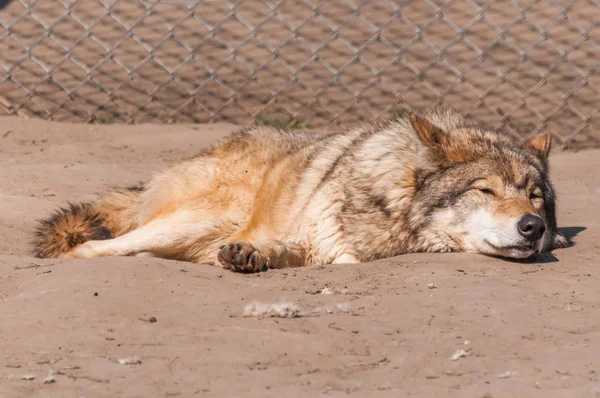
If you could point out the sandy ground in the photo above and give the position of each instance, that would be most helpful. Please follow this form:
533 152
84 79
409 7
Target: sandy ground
529 329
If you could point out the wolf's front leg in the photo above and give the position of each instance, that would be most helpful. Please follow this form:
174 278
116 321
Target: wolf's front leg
243 256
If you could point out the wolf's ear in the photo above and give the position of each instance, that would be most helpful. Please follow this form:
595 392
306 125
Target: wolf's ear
431 136
539 145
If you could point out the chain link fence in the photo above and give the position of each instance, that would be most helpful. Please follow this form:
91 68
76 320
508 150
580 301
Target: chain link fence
523 66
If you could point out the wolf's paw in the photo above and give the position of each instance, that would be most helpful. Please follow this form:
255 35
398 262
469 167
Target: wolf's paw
559 241
242 257
85 250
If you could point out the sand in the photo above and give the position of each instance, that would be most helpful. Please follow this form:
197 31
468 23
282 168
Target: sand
140 327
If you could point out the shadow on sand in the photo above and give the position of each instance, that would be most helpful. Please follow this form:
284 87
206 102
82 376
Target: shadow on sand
4 3
548 257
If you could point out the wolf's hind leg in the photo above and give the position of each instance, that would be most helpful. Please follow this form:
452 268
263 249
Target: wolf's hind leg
179 235
243 256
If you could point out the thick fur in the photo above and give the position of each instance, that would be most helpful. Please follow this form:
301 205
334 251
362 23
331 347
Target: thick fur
266 198
78 223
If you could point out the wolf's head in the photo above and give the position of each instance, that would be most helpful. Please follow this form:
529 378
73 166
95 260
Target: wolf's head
480 191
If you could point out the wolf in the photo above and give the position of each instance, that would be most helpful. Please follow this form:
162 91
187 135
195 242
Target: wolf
433 181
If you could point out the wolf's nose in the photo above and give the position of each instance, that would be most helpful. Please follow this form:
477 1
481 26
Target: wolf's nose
532 227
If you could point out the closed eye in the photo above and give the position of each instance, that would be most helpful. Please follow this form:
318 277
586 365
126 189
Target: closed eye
487 191
481 185
535 195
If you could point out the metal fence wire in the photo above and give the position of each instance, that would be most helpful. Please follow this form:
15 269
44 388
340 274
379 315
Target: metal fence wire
524 66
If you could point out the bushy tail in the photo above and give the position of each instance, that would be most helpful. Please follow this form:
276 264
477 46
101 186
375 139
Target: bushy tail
75 224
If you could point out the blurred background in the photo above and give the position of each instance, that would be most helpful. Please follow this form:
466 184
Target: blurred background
522 66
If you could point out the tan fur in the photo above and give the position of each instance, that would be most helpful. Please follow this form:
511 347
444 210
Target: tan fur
514 207
540 144
117 209
266 198
112 215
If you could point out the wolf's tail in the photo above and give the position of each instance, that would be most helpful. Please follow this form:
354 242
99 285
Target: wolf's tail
74 224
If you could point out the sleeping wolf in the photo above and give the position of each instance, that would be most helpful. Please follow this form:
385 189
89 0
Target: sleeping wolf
265 198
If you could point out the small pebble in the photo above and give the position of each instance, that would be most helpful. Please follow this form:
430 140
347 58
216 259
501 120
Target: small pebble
458 354
130 361
507 374
49 380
